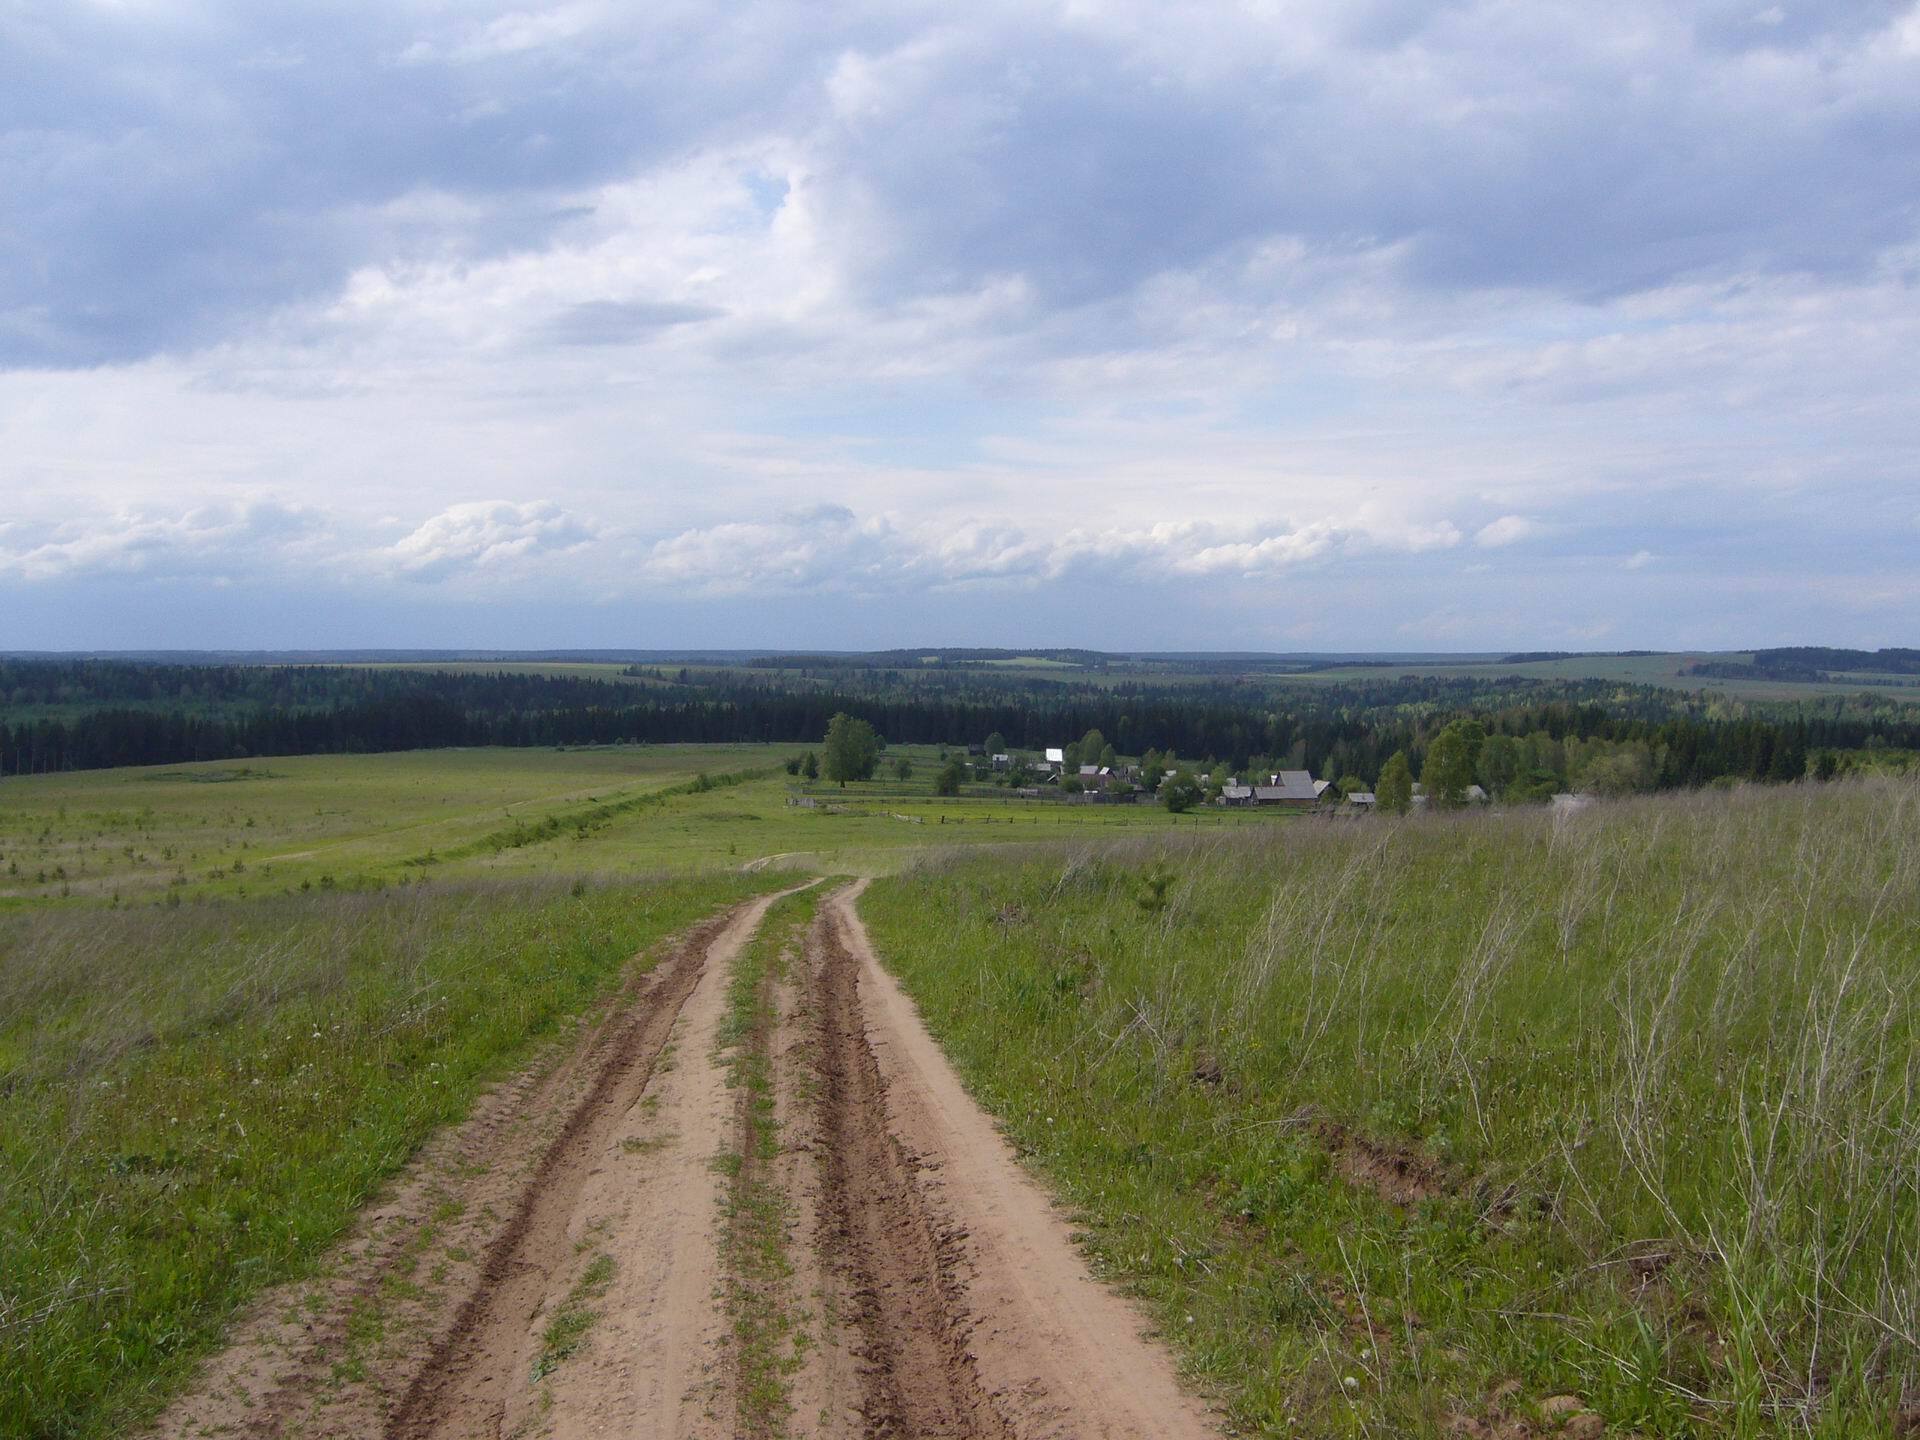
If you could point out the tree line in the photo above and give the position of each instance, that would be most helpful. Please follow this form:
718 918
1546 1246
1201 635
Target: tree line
120 713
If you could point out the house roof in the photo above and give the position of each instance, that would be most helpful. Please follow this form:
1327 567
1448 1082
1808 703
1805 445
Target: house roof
1288 785
1236 792
1363 797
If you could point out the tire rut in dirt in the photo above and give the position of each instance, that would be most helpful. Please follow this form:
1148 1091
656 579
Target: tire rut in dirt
917 1375
461 1387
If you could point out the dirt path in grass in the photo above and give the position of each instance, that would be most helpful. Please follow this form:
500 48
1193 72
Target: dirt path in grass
557 1265
545 1268
974 1314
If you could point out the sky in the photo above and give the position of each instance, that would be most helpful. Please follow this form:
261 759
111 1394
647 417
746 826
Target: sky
1283 325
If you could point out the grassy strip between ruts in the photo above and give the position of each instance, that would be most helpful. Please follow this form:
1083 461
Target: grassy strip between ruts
197 1100
1478 1126
769 1338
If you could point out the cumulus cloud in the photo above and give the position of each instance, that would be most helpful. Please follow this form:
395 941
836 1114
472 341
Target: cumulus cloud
1507 530
169 176
486 535
1049 297
215 543
830 548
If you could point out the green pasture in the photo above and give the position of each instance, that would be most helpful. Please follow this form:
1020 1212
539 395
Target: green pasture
266 827
199 1099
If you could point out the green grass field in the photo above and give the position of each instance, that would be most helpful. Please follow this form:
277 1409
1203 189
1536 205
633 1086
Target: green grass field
234 997
265 827
198 1099
1405 1129
1383 1119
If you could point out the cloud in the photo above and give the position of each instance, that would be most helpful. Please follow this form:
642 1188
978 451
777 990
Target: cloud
619 322
486 535
1507 530
1639 560
215 544
1060 305
830 548
171 178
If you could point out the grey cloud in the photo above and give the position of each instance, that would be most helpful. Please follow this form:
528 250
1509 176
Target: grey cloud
617 322
164 183
1558 150
171 175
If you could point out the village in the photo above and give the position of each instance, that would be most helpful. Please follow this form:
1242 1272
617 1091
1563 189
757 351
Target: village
1118 782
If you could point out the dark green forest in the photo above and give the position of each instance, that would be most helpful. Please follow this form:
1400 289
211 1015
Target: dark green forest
89 714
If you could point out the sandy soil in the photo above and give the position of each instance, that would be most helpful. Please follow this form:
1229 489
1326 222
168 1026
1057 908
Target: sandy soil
554 1266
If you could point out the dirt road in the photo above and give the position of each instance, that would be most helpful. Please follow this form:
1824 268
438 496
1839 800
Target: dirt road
621 1242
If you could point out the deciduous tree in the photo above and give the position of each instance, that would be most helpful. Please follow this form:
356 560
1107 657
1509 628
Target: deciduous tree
852 749
1394 793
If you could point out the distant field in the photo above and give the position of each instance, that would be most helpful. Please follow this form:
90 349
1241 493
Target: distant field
268 826
559 670
1664 670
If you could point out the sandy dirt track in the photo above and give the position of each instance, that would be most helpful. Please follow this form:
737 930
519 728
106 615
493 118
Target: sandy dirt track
557 1265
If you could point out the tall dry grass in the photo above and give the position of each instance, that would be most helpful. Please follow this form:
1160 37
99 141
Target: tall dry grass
1662 1054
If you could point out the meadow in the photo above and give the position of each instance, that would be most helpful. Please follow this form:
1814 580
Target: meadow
1398 1127
1451 1125
199 1098
234 998
236 830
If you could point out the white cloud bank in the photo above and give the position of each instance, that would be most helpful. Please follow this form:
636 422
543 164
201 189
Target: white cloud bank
1043 299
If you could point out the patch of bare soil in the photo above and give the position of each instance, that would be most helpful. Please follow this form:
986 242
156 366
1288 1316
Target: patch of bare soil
899 1261
1398 1175
628 1193
825 1393
978 1315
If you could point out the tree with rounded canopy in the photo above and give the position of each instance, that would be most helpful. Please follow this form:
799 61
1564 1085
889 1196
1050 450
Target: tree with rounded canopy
852 749
1394 793
1449 770
810 766
1087 752
1350 785
1499 764
947 782
996 744
1180 793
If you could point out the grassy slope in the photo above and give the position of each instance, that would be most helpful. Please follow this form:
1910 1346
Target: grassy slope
1644 1085
234 1003
198 1099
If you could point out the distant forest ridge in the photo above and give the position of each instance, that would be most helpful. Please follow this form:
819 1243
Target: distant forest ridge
95 714
1790 662
1818 664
